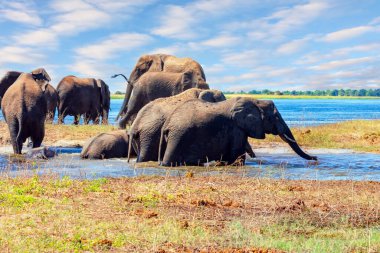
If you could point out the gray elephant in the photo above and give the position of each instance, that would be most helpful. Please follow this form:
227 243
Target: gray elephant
219 131
153 85
24 108
107 145
158 63
83 96
8 79
145 131
51 96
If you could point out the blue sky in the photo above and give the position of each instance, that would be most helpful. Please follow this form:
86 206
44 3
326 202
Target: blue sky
242 44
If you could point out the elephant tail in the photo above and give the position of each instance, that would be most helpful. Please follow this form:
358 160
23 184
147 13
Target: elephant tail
162 146
19 137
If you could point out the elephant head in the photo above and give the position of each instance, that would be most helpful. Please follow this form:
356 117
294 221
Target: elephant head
275 124
149 62
105 99
41 77
248 117
212 96
189 81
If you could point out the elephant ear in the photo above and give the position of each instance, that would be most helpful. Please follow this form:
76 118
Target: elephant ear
248 117
187 80
104 93
156 63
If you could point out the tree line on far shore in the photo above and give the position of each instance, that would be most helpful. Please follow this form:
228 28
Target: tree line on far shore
334 92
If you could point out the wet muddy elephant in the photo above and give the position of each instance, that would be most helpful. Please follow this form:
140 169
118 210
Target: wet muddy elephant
107 145
51 96
24 108
146 129
153 85
198 132
164 63
83 96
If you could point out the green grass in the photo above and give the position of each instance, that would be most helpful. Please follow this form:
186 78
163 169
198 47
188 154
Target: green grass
117 96
47 214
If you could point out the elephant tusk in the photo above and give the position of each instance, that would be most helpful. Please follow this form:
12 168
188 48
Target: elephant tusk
289 139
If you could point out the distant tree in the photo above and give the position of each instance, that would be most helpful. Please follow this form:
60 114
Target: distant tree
362 93
119 92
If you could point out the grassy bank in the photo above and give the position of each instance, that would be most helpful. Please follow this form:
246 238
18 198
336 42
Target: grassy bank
261 96
173 214
359 135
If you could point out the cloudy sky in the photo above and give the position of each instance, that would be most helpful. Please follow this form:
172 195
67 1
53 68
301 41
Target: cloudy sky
242 44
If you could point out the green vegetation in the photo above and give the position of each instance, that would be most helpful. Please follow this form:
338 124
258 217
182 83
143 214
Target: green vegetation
186 214
330 93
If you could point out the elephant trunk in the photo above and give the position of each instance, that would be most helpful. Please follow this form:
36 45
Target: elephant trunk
105 117
124 107
288 137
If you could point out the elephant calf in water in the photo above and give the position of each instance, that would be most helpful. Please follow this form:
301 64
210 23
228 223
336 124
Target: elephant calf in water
107 145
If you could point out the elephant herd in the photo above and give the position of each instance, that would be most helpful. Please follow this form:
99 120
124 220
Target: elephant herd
174 116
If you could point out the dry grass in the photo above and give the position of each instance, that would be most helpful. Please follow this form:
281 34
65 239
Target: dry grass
188 214
359 135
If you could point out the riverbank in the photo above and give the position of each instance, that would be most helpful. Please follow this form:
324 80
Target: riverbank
263 96
188 214
358 135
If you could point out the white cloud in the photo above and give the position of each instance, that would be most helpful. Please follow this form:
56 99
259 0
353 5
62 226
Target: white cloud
347 33
185 22
243 59
275 26
294 45
113 45
375 21
221 41
20 12
19 55
342 63
173 50
41 37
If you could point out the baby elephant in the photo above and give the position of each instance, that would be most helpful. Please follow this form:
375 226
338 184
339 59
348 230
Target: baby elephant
107 145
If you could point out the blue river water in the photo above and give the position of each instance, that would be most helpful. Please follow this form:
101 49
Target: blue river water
332 164
301 112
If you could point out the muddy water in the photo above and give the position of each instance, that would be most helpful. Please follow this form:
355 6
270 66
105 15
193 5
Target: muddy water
279 163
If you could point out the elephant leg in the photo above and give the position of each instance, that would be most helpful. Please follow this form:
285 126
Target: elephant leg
249 151
16 142
38 135
77 118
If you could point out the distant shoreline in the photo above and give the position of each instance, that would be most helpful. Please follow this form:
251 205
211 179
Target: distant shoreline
260 96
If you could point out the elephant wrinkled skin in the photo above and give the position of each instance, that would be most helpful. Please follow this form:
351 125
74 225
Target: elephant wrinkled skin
146 129
51 96
24 109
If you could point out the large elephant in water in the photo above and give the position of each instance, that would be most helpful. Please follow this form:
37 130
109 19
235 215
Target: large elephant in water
146 128
83 96
158 63
24 108
197 131
155 85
